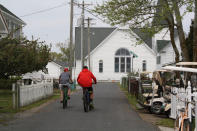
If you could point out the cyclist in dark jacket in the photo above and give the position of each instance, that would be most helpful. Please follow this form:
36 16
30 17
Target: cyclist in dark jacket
85 80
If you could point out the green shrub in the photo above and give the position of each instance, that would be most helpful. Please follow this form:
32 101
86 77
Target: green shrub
7 83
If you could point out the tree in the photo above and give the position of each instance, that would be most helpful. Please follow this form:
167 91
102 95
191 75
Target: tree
65 51
151 16
18 57
195 34
189 41
55 56
64 54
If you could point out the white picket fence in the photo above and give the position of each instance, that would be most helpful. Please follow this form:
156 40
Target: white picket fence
179 98
31 93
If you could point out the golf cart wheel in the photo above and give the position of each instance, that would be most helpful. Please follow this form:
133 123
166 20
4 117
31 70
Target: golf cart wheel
156 108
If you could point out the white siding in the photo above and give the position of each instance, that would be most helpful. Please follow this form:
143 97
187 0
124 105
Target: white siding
54 70
106 52
77 69
162 35
167 54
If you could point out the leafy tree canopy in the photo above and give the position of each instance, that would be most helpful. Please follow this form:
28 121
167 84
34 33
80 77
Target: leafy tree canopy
141 13
150 16
64 54
18 57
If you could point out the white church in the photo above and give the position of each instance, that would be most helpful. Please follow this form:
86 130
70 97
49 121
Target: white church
114 53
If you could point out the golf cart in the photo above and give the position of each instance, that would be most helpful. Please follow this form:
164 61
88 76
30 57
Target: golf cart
145 89
162 80
184 74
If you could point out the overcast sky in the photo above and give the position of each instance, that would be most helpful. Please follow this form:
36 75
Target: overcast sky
53 26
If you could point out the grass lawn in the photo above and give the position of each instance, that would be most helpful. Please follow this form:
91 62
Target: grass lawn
6 110
6 101
167 122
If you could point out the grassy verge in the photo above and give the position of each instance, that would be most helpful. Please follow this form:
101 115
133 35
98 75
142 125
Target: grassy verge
6 101
6 110
131 98
167 122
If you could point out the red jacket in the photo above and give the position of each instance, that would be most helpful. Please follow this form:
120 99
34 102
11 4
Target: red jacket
85 78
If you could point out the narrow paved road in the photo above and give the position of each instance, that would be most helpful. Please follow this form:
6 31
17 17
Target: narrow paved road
112 113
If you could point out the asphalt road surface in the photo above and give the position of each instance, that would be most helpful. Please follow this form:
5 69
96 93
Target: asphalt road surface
112 113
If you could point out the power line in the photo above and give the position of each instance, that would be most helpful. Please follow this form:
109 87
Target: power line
90 12
45 10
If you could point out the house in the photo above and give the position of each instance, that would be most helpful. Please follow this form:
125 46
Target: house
166 54
34 77
114 52
55 68
10 23
53 71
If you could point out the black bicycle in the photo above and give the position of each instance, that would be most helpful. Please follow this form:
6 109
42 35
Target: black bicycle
65 96
86 100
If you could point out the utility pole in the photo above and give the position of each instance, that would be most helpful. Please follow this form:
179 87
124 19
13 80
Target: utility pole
195 34
89 22
82 28
71 38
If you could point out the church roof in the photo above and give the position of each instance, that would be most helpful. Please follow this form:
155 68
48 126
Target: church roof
144 36
97 35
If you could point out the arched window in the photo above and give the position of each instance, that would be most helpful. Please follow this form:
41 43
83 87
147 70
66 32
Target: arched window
143 65
122 61
100 66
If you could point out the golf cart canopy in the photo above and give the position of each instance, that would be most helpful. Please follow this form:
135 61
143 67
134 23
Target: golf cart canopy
145 72
186 63
184 69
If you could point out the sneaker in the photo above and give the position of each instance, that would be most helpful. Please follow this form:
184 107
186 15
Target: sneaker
68 97
91 106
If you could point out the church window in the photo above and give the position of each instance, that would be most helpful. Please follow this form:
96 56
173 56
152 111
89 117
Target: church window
101 66
122 61
144 65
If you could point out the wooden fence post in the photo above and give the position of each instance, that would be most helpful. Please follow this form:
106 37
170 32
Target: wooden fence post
18 95
128 83
195 113
14 95
189 95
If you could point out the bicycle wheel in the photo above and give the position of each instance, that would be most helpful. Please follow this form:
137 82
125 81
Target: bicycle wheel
85 102
186 125
176 124
65 101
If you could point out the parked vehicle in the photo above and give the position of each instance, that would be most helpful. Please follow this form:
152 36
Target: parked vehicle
145 89
183 100
160 103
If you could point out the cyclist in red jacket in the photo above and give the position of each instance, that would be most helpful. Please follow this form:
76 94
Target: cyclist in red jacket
85 80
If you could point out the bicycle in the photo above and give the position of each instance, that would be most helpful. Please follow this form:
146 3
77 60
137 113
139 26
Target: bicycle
65 96
182 122
86 100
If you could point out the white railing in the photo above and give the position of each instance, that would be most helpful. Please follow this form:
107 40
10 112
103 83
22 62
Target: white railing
31 93
179 98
